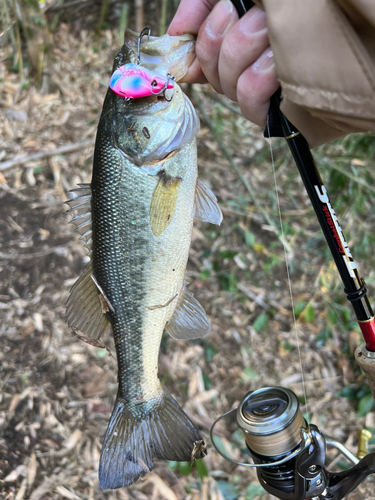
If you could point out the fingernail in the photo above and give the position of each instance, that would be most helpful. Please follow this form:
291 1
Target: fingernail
220 18
253 22
264 63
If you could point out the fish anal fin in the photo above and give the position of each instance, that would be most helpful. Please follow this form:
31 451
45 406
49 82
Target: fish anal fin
206 207
189 320
84 308
163 203
136 435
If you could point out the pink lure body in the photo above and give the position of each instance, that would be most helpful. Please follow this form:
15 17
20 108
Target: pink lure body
134 81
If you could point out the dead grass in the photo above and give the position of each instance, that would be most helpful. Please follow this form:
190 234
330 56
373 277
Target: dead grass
56 392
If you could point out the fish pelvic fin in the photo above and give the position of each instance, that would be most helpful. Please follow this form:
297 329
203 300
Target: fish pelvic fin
189 320
138 434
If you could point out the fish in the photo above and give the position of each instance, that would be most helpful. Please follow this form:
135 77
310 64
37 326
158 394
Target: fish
136 218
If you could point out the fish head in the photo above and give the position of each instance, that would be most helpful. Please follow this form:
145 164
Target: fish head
161 55
149 128
135 81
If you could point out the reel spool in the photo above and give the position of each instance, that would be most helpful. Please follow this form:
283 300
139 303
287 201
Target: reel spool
288 453
271 421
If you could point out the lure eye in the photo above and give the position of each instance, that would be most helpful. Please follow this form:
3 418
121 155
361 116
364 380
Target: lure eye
154 83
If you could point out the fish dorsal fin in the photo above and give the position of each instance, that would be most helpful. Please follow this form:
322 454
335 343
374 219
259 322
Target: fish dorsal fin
84 310
80 208
189 321
206 207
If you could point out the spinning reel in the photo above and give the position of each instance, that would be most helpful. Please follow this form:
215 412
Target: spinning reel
289 454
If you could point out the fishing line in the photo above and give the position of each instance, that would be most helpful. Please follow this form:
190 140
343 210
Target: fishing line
287 272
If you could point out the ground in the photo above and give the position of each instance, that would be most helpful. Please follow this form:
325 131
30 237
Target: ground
57 392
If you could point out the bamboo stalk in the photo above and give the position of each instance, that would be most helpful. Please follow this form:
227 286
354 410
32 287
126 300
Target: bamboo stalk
123 22
103 14
163 17
18 39
7 23
139 15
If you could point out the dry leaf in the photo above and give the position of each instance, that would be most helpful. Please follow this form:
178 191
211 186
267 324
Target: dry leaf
31 469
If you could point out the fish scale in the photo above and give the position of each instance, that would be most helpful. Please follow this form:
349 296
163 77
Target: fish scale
144 197
120 249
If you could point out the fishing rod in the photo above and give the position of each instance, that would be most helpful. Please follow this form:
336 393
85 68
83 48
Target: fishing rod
288 453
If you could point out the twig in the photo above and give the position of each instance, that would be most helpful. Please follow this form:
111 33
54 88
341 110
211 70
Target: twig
238 171
68 148
28 256
350 176
215 97
253 296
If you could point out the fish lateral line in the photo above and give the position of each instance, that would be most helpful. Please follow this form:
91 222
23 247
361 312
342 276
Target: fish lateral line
102 295
152 308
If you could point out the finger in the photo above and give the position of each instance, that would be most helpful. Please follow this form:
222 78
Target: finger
188 19
255 87
241 47
210 39
190 16
194 73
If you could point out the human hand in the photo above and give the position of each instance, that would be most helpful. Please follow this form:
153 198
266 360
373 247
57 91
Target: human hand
232 54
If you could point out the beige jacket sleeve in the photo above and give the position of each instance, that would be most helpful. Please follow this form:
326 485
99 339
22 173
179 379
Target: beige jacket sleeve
324 53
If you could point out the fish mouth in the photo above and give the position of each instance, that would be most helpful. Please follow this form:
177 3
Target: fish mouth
165 54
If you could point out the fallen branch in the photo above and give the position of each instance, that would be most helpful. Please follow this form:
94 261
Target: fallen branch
68 148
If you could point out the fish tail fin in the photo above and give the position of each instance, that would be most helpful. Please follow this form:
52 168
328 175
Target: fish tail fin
138 434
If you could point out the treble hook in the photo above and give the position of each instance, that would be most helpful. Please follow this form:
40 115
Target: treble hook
144 32
170 78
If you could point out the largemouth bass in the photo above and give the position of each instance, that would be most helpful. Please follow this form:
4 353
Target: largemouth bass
136 218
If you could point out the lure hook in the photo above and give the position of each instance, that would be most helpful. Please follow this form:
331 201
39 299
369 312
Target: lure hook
144 32
170 78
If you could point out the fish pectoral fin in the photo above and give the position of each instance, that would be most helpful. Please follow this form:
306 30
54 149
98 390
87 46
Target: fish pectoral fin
84 308
189 320
163 204
206 207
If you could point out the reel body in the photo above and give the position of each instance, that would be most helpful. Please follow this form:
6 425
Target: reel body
289 454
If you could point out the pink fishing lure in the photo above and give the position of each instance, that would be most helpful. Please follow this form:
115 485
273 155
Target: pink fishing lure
134 81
